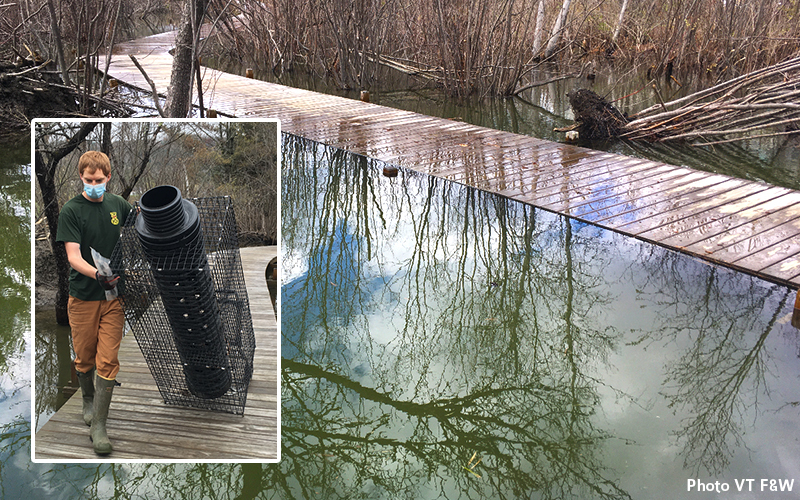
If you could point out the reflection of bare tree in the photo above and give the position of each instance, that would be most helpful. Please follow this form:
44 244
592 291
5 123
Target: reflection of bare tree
14 232
727 319
465 358
53 374
478 364
15 438
165 481
711 378
523 435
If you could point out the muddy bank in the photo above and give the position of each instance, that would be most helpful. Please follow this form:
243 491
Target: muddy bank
27 92
46 282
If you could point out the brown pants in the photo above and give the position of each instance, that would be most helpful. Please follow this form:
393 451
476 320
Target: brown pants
96 335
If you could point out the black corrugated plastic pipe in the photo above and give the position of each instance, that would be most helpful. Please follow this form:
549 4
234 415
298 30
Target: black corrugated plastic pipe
171 237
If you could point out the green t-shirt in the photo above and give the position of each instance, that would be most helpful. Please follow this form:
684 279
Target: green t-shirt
92 225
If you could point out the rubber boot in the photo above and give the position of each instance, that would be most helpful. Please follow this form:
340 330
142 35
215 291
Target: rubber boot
102 399
86 381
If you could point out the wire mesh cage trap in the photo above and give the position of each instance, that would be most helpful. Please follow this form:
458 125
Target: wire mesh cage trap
184 296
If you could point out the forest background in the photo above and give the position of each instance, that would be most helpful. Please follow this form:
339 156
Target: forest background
467 47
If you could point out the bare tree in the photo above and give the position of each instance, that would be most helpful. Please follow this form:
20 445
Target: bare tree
147 141
538 32
619 21
62 62
179 95
558 29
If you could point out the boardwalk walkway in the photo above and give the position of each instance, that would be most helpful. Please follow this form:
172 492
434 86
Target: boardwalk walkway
746 225
142 427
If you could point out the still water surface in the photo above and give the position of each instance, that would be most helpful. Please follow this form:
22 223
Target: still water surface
15 275
439 342
429 327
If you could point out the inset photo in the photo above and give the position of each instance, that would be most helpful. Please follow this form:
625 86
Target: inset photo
156 300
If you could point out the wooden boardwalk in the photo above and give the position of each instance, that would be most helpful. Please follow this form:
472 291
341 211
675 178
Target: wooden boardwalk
749 226
142 427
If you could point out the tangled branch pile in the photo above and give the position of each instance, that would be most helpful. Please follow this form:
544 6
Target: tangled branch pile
763 103
595 117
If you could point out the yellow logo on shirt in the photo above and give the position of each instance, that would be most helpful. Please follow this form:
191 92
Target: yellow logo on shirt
114 219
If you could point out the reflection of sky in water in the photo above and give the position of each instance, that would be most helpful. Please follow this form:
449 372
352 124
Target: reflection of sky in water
12 387
17 277
18 475
420 292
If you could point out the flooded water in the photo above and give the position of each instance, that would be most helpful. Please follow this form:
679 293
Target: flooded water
439 342
15 275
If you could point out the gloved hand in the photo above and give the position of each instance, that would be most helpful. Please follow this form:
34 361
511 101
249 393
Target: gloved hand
106 281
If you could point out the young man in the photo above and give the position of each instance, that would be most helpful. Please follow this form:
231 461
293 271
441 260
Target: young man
93 219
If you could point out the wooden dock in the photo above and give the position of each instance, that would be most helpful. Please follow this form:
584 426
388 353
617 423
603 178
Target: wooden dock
142 427
749 226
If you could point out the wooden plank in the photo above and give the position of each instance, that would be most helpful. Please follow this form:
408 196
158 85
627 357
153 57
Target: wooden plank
672 205
536 176
697 224
609 201
415 135
732 230
652 201
767 247
542 157
790 268
700 210
562 194
755 211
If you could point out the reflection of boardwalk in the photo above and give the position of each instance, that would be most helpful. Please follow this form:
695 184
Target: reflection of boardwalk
141 426
745 225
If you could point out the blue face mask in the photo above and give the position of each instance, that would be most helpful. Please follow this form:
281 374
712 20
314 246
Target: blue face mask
94 192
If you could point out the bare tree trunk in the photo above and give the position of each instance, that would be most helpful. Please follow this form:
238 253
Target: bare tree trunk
538 32
619 21
106 143
179 95
62 62
110 48
558 28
